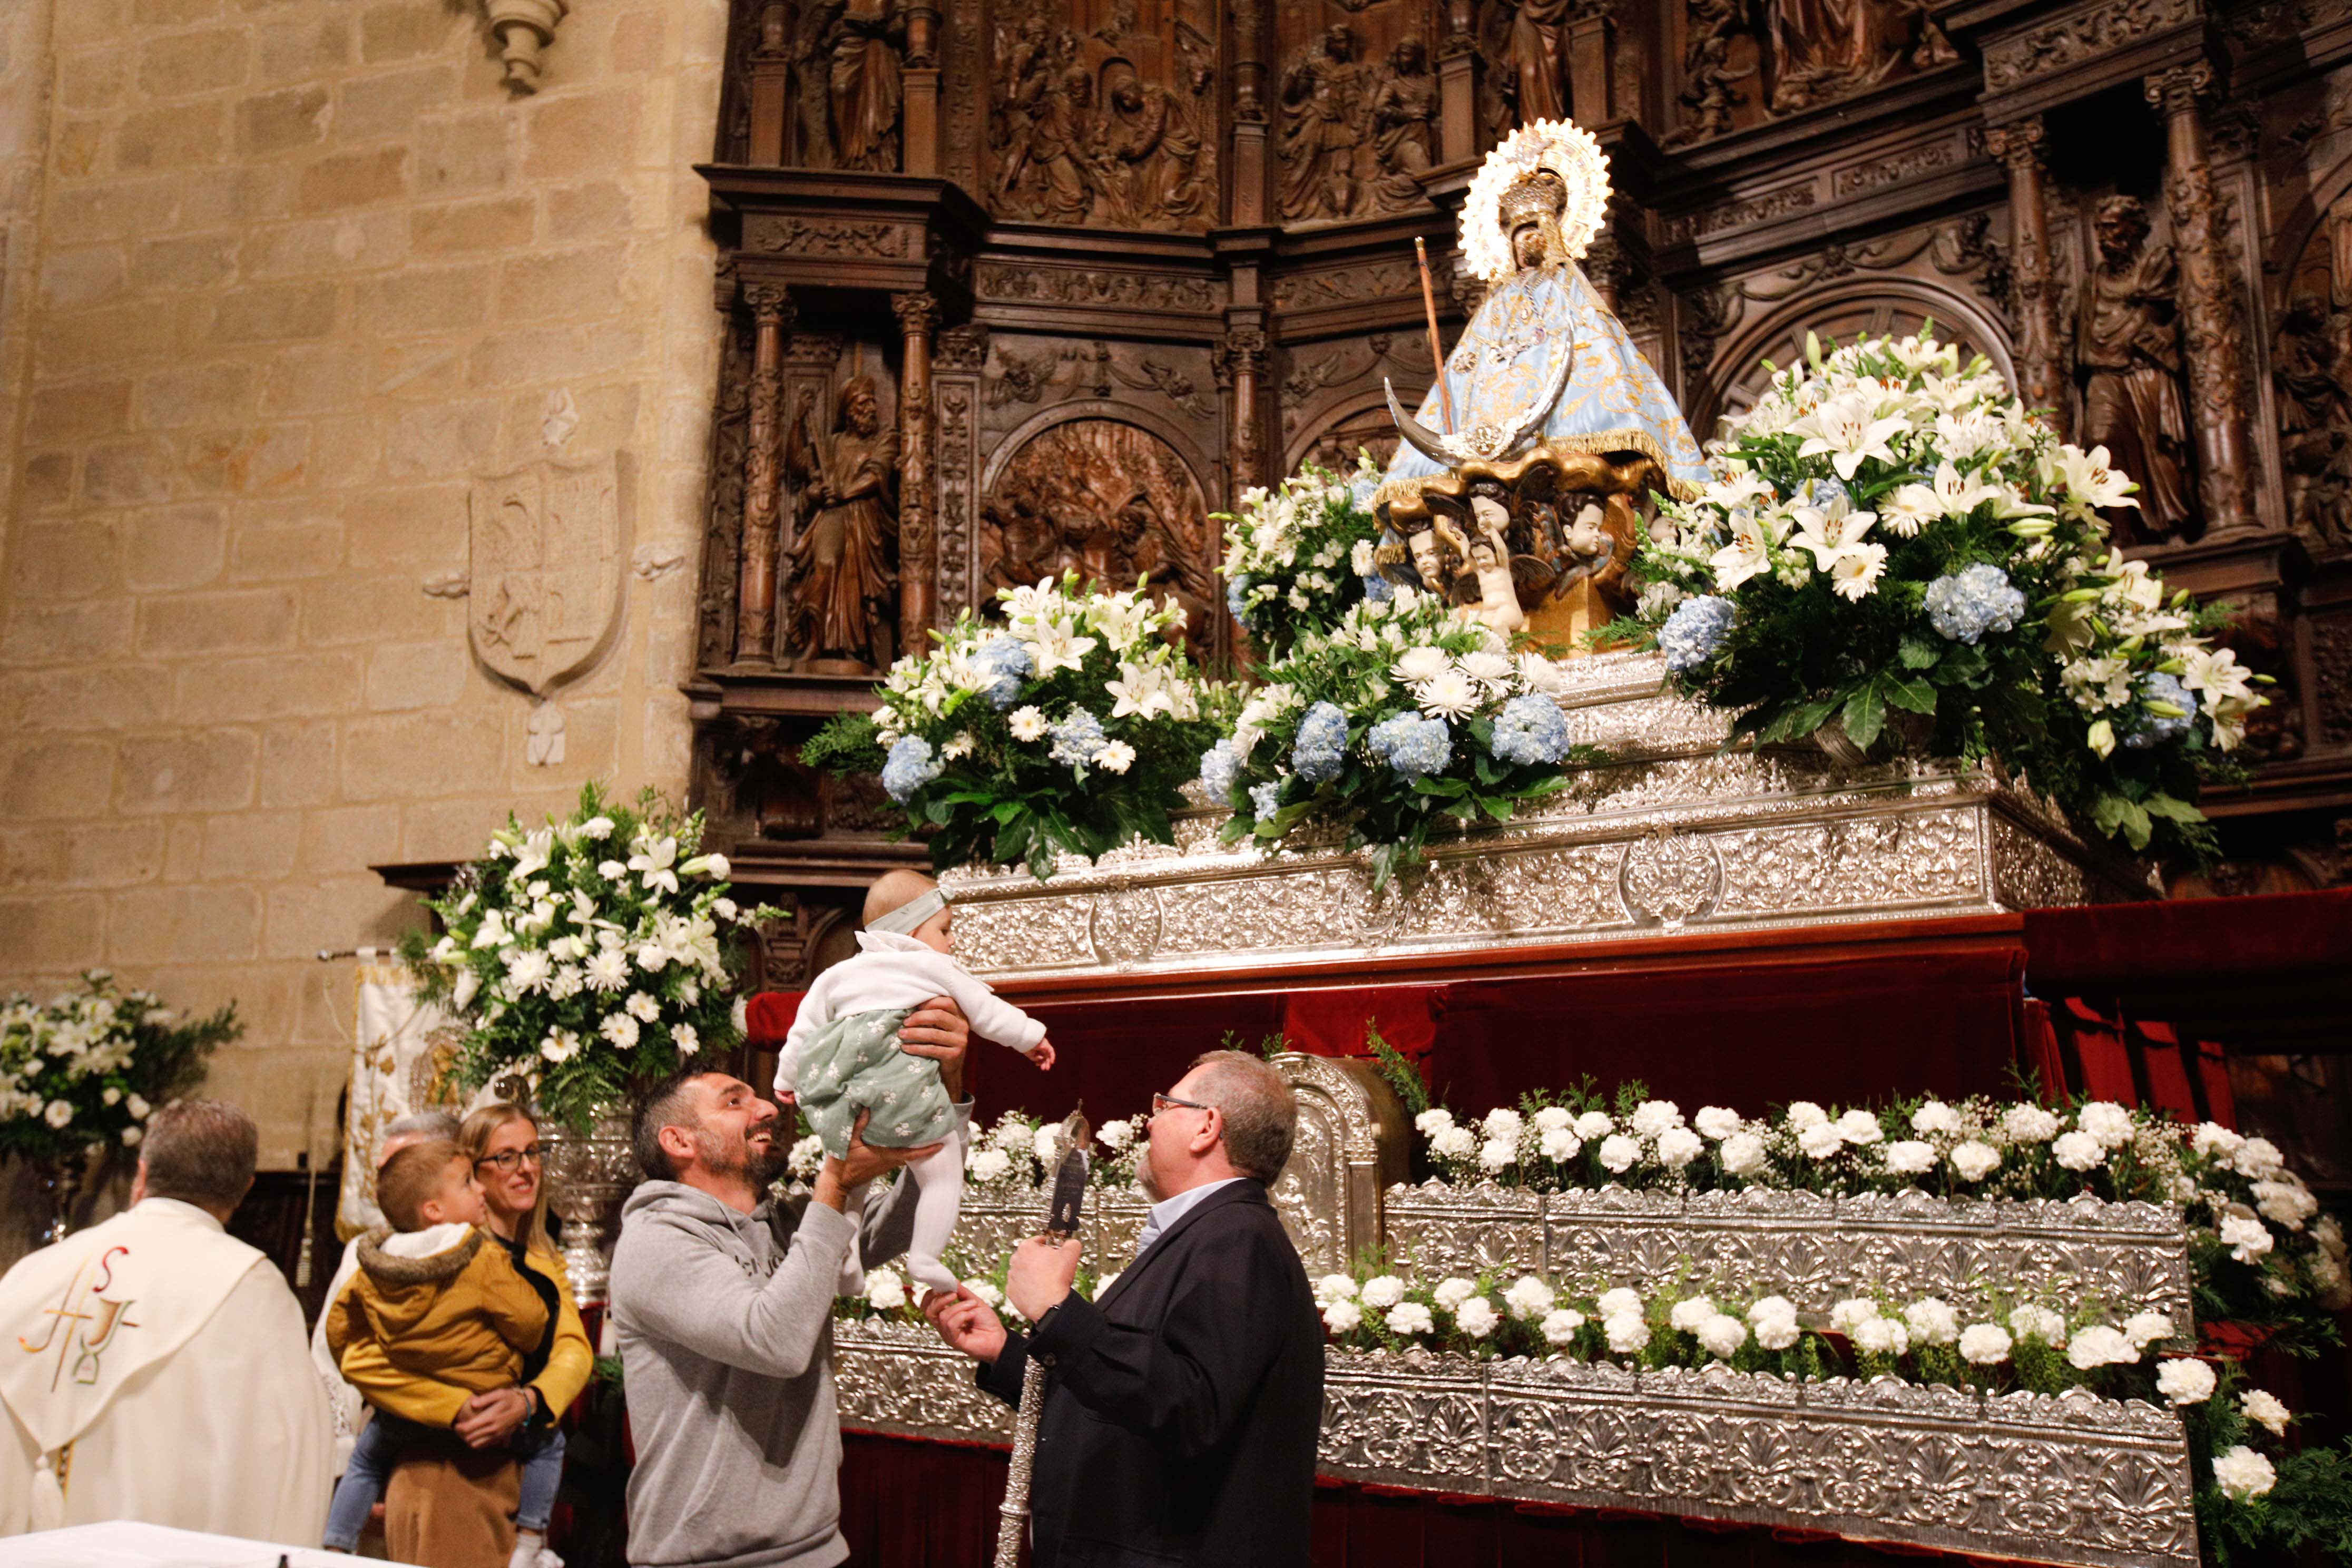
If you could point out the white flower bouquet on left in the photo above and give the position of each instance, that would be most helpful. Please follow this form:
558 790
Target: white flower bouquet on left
86 1069
587 956
1069 727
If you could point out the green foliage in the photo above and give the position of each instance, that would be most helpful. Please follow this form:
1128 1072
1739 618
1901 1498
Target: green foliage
1861 488
86 1070
972 750
1291 555
588 956
1402 1074
845 746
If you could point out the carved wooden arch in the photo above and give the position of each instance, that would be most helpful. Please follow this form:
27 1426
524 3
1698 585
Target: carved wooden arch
2302 224
1328 412
1882 304
1148 420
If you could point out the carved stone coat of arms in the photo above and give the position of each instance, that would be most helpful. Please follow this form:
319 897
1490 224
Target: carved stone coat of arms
548 545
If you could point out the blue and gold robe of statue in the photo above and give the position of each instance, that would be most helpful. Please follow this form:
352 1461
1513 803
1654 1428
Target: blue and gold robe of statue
1612 402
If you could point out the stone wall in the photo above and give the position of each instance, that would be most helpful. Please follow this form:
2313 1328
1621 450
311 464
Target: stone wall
282 276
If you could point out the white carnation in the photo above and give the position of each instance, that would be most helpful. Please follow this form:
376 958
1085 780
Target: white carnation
1593 1125
886 1289
2185 1380
1432 1122
1974 1160
2144 1329
1558 1145
2265 1409
1933 1117
1805 1113
1881 1336
1621 1302
1552 1118
1342 1317
1410 1317
1722 1334
988 1164
1618 1153
1678 1146
1334 1287
2031 1322
1743 1154
1529 1298
1855 1310
2258 1159
1909 1157
1717 1123
1477 1317
1501 1122
1454 1143
1687 1314
1653 1117
2242 1474
2078 1152
1820 1140
1498 1154
2106 1121
1625 1332
2100 1345
2029 1124
1382 1292
1453 1290
1559 1326
1932 1320
1860 1128
1775 1320
2247 1239
1984 1344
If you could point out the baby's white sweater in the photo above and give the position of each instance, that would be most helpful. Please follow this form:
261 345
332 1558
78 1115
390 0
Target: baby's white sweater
891 970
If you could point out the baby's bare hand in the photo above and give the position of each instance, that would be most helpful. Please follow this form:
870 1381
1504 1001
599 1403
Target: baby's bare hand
1043 1057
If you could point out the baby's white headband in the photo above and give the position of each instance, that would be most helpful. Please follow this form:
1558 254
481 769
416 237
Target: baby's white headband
906 918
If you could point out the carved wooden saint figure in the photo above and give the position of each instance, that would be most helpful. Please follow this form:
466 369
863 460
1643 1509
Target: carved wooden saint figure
1403 116
2127 358
841 598
1828 49
850 91
2310 364
1322 99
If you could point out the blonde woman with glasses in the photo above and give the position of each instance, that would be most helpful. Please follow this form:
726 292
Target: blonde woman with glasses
502 1139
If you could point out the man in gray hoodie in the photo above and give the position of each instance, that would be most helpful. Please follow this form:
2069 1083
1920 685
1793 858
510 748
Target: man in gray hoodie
722 1302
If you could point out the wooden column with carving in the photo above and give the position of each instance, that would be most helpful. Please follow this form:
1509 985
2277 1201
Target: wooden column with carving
920 154
1253 140
772 81
755 615
1458 65
2213 336
918 555
1243 368
1590 44
2033 290
956 395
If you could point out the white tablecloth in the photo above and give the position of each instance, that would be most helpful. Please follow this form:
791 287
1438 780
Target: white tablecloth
126 1543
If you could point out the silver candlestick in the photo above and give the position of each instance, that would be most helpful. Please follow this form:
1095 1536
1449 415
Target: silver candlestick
1062 1218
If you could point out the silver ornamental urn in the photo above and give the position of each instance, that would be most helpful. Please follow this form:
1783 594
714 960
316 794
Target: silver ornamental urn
588 1178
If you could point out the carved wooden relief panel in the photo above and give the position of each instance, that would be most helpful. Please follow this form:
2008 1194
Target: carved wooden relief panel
1104 111
1356 99
1743 63
1108 500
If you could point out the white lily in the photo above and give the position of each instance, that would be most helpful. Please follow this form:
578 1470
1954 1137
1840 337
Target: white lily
1830 533
655 862
1055 644
1749 553
2090 480
1848 430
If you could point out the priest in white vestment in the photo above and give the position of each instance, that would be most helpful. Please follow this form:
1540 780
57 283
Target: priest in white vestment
154 1368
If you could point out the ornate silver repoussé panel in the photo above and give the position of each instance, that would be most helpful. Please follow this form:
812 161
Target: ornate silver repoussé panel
1811 1247
2070 1479
1670 834
2066 1479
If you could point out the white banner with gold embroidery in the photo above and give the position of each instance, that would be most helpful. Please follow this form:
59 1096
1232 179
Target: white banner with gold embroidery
399 1050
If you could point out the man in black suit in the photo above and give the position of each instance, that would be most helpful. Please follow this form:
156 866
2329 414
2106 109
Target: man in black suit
1183 1407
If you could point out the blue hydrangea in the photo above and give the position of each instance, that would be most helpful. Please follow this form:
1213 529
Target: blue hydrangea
2153 729
1412 745
1076 739
1237 597
1218 767
910 766
1378 589
1694 631
1261 797
1006 663
1530 729
1362 488
1320 751
1977 600
1824 493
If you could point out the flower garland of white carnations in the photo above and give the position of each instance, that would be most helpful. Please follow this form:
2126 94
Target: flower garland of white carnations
1069 727
2263 1252
1014 1160
88 1068
1889 532
589 955
1404 716
1298 556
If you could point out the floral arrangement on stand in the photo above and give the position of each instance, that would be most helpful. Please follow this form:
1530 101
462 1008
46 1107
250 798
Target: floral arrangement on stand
1892 541
2260 1252
1070 728
1298 556
1405 715
588 955
85 1070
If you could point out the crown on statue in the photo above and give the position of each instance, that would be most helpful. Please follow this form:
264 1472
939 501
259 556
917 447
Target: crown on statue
1552 169
1532 198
